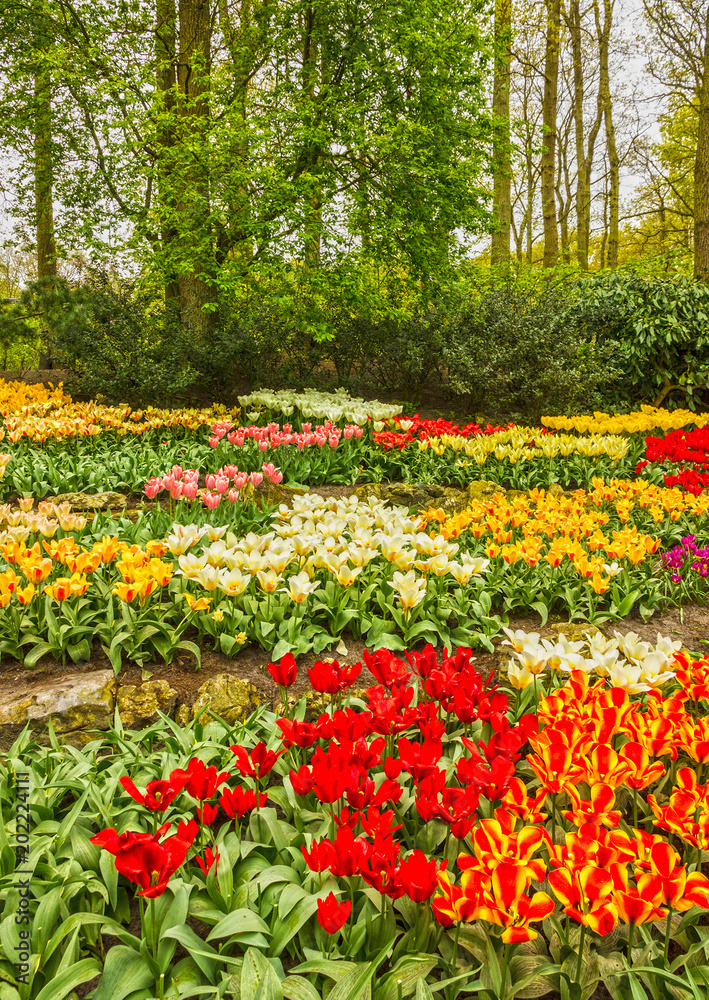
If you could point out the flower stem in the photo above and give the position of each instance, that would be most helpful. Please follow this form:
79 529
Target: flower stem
579 963
667 936
505 963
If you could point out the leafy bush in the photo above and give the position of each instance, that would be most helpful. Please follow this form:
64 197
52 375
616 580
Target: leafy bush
657 327
517 351
119 342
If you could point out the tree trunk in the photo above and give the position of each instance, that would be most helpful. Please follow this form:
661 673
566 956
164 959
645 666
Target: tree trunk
584 148
502 182
312 235
604 34
43 184
701 172
548 164
165 37
193 82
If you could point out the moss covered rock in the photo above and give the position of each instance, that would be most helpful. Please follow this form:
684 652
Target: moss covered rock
228 697
92 501
75 704
138 706
420 496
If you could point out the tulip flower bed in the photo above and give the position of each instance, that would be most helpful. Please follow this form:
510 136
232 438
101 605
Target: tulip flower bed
297 578
432 836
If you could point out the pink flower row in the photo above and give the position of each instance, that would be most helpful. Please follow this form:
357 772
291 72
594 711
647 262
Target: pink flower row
271 436
183 484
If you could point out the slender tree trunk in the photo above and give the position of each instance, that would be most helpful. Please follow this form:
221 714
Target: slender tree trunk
193 83
701 172
165 39
604 33
312 239
551 75
502 182
43 192
585 147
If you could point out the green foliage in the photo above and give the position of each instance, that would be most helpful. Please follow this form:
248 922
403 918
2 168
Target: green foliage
112 336
655 327
516 351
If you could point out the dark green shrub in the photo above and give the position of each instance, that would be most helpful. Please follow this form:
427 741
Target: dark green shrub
515 352
658 328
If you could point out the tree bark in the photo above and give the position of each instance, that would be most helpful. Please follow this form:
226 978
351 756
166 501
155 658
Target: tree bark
502 180
312 233
701 172
165 39
584 147
604 33
193 203
43 189
548 164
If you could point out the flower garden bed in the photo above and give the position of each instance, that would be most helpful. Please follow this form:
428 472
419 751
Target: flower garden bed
334 747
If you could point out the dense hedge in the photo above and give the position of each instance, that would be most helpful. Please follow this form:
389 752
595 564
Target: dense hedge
508 348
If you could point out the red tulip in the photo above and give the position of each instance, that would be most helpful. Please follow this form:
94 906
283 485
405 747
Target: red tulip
332 916
258 763
418 876
210 858
236 802
284 672
299 734
203 781
158 794
151 864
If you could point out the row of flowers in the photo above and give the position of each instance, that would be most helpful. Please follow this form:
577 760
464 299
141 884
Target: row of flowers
647 418
297 579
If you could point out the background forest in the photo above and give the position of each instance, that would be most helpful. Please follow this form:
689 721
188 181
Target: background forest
505 206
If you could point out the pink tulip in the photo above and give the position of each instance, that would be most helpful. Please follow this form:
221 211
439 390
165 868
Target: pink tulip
231 471
268 468
349 431
287 428
358 432
276 477
189 490
210 481
177 471
307 428
241 480
214 441
256 478
176 491
152 489
333 441
263 445
168 480
222 484
233 496
211 500
231 438
320 441
191 475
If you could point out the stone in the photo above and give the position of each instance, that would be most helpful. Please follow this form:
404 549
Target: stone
574 631
138 705
75 703
420 496
483 489
89 501
229 697
182 715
